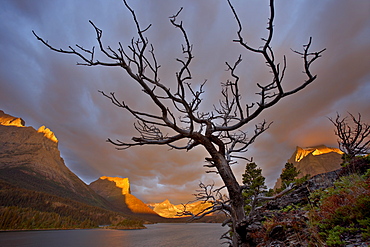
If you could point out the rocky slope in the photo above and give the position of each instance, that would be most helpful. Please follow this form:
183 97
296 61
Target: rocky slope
30 159
299 217
8 120
314 160
116 190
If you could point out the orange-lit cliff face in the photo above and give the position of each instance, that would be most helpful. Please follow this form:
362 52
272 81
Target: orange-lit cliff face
117 191
122 183
48 133
168 210
8 120
133 203
165 209
318 150
31 160
314 160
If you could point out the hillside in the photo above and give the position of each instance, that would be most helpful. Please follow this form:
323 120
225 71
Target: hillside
36 186
314 160
30 159
116 191
326 210
29 209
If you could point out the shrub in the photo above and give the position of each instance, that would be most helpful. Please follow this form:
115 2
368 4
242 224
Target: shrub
358 165
343 209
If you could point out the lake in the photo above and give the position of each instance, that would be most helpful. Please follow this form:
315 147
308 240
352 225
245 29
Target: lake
161 235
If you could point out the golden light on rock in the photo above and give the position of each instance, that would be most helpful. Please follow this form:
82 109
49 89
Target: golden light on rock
117 191
8 120
314 160
319 150
136 205
168 210
48 133
326 150
122 183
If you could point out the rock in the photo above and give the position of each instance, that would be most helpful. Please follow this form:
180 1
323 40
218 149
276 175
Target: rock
116 190
314 160
277 233
299 196
169 210
31 160
166 209
122 183
8 120
276 244
47 133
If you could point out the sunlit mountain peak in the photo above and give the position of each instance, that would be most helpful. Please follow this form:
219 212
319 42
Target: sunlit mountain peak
318 150
122 183
168 210
6 119
48 133
314 160
117 191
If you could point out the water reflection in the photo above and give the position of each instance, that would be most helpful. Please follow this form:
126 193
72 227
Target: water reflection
163 235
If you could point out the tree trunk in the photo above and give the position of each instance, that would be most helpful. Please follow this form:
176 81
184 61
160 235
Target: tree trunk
238 216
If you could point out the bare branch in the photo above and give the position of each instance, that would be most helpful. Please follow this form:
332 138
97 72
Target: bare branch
208 194
272 92
178 112
353 139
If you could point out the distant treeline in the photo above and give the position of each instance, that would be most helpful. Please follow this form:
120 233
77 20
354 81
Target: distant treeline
27 209
15 218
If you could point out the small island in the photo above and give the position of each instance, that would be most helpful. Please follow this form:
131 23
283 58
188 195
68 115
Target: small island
127 224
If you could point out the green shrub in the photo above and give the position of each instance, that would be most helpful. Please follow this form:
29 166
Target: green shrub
334 236
342 209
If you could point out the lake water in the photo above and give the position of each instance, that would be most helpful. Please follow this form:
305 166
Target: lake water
157 235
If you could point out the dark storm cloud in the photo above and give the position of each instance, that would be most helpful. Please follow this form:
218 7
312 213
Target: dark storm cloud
46 88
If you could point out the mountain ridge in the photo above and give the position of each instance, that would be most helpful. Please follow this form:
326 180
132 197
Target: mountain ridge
169 210
116 190
30 160
314 160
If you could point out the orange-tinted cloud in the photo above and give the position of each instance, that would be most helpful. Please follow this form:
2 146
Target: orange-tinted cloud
46 88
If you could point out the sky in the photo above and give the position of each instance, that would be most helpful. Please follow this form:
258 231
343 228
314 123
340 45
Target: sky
47 88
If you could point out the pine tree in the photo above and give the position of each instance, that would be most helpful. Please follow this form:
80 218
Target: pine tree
288 175
254 184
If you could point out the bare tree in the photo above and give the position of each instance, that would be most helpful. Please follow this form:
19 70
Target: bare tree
353 138
254 194
221 130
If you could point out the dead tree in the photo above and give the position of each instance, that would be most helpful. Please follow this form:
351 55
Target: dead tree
353 138
221 130
218 202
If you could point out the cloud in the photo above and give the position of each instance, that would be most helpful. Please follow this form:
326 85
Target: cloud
46 88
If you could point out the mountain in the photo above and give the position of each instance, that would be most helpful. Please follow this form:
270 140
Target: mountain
168 210
165 209
314 160
37 190
30 159
117 191
8 120
29 209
